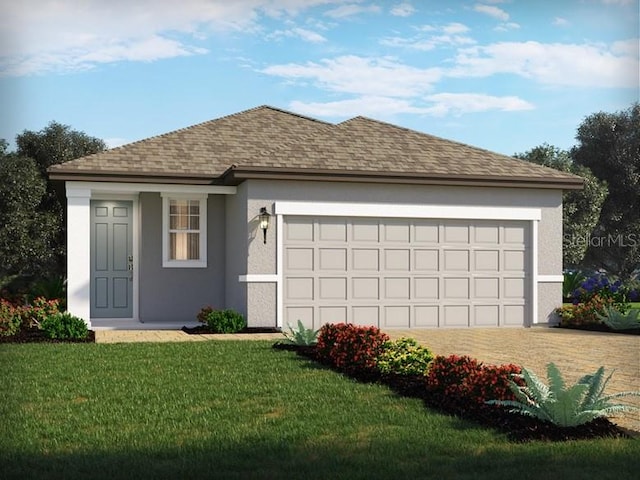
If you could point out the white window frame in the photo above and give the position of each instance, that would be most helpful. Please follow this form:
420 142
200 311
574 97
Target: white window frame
166 261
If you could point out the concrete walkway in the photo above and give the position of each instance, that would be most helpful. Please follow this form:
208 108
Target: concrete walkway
576 353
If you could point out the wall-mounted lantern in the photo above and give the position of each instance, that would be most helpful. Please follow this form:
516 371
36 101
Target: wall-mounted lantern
264 222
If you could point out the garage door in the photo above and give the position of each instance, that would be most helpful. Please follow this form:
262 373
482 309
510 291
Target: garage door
405 273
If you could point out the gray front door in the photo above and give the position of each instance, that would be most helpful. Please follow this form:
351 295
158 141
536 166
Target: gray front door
111 259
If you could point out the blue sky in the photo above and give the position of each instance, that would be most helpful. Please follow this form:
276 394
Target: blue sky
506 75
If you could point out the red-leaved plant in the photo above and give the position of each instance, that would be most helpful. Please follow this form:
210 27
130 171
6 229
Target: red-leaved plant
350 348
462 379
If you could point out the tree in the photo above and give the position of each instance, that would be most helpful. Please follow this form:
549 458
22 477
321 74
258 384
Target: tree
609 145
580 208
28 238
32 241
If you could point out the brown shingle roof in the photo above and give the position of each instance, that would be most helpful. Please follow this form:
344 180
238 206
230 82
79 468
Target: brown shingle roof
266 142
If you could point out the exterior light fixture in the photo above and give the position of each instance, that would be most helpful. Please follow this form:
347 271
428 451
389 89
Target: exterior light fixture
264 222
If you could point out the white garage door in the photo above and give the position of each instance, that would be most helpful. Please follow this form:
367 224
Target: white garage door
405 273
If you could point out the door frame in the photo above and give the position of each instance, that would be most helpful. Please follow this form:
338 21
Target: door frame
135 217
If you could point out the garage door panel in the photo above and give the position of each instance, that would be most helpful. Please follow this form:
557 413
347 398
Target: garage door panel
332 259
397 316
426 288
333 231
486 234
395 288
299 288
365 259
332 288
455 316
514 315
486 260
299 229
397 259
486 315
426 232
365 315
456 233
426 316
456 288
486 287
406 273
456 260
366 288
299 258
364 230
304 314
426 260
332 314
396 231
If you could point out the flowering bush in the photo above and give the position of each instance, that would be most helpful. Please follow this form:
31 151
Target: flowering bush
10 319
41 308
462 379
600 285
350 348
585 314
404 357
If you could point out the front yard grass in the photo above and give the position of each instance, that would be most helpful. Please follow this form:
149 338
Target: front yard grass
241 410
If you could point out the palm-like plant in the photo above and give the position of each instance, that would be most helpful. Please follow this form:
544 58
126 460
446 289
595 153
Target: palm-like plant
302 336
566 407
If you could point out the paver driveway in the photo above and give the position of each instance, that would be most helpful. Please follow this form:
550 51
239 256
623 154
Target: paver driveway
575 352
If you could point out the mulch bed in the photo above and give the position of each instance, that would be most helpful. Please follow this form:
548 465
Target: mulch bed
601 328
205 330
518 428
34 335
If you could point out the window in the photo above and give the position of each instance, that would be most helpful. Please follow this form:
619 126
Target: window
184 231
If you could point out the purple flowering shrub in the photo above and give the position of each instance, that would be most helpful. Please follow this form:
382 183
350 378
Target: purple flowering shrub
600 285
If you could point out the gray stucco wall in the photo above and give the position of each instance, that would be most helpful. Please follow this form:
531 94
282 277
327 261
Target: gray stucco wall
262 258
176 294
236 253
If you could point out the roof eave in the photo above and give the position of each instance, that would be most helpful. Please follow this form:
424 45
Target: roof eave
236 175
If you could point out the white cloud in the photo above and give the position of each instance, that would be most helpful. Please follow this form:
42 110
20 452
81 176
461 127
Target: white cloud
382 77
350 10
459 103
437 105
494 12
39 35
302 33
439 35
554 64
560 22
618 2
403 10
506 26
115 142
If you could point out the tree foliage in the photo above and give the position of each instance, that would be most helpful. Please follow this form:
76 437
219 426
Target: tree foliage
581 208
609 145
32 240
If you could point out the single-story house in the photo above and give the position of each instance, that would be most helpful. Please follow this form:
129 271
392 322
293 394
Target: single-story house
284 218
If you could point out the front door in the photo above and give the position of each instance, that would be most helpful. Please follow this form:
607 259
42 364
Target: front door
111 259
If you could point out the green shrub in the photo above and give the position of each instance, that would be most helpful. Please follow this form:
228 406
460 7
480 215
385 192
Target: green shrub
565 407
404 357
204 313
10 319
620 321
225 321
64 326
302 336
572 281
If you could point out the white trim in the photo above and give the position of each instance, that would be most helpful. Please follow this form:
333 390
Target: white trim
550 278
534 273
78 263
258 278
117 187
168 263
279 270
385 210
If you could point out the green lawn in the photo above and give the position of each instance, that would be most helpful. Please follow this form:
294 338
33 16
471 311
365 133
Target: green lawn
241 410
